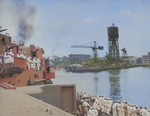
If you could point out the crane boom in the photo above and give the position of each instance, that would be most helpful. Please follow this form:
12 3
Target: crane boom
88 45
81 46
95 46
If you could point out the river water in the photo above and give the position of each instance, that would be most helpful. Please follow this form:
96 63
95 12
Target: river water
131 85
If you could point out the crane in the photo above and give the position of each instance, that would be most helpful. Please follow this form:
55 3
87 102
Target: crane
93 45
125 55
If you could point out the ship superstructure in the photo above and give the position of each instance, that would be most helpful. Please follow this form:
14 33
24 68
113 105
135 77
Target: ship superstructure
23 65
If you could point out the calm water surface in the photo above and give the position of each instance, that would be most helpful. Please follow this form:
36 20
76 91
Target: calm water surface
131 85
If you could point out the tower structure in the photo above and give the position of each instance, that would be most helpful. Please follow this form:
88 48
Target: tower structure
113 37
125 55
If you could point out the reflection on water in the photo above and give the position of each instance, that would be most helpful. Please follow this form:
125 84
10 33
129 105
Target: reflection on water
114 88
96 84
131 85
114 72
114 80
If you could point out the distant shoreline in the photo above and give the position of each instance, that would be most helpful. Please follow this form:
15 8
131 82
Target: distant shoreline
84 69
103 69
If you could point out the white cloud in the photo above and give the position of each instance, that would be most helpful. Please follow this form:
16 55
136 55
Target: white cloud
86 20
143 18
125 13
96 18
91 19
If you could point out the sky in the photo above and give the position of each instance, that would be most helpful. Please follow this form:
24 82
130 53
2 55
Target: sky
56 25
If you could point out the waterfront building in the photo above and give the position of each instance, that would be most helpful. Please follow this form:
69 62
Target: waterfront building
145 59
132 59
59 59
149 54
79 57
139 60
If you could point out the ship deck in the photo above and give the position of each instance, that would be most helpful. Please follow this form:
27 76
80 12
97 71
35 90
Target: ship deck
15 103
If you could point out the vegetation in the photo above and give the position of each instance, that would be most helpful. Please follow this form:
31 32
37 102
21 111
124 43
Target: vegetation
106 62
92 63
95 65
63 64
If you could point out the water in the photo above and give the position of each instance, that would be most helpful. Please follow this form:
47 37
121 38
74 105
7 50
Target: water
131 85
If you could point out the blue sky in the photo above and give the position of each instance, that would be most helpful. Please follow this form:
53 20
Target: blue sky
60 24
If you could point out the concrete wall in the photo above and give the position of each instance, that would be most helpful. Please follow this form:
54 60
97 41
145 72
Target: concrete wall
61 96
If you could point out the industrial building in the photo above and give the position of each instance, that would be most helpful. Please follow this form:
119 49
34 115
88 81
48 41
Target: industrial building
132 59
145 59
79 57
139 60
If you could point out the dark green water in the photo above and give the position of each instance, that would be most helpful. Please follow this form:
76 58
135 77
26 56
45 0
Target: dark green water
131 85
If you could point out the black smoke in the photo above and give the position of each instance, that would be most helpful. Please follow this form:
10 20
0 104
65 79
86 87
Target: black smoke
26 15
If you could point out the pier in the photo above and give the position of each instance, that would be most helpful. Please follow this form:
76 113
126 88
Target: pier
15 103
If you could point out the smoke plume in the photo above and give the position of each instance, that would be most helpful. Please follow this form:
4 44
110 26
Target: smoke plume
23 15
27 16
57 45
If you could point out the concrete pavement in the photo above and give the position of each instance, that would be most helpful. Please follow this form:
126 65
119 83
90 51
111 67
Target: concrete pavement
15 103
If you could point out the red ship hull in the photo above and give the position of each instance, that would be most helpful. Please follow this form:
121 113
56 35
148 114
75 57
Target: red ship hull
21 72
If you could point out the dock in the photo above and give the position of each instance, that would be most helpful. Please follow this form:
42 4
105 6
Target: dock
16 103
